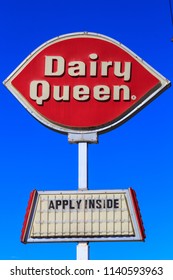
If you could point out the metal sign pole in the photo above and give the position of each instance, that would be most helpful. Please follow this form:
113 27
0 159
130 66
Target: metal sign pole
82 140
82 247
83 166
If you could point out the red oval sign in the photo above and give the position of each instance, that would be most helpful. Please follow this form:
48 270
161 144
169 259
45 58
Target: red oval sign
84 82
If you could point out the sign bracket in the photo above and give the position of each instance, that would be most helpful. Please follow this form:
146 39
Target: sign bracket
83 137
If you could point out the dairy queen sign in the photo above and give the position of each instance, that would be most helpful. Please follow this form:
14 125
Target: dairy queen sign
84 84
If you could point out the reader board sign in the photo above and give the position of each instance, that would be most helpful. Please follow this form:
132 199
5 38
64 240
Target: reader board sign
83 83
54 216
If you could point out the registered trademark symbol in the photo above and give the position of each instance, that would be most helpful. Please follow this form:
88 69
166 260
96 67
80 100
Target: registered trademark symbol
133 97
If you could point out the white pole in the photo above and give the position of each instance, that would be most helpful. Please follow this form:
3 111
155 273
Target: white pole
82 251
82 247
82 166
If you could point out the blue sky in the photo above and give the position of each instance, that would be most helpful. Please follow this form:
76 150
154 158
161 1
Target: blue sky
138 154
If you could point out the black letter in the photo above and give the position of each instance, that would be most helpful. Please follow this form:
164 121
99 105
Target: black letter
116 203
51 205
109 205
98 204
